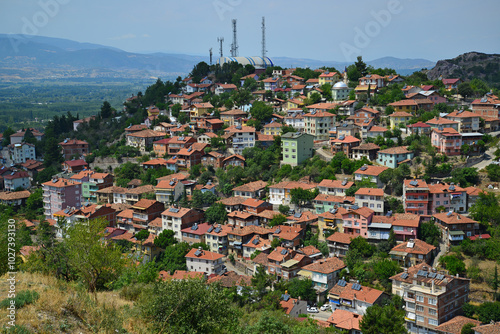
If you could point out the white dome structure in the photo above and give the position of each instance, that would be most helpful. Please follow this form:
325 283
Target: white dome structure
340 85
257 62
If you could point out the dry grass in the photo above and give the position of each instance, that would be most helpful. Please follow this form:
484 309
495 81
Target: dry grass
480 290
65 308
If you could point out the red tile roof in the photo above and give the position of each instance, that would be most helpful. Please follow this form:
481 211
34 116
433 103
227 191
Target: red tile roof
417 247
205 255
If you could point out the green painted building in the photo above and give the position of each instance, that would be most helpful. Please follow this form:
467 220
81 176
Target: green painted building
297 147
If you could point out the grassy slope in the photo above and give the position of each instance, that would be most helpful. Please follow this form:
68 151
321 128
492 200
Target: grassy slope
65 308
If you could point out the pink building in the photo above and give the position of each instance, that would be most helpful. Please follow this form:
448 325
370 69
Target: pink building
59 194
356 221
405 226
447 140
448 196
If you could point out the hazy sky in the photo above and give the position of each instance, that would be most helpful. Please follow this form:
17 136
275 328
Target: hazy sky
323 30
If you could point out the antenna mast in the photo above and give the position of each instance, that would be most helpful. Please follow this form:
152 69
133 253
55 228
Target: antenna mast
210 51
220 40
264 37
234 45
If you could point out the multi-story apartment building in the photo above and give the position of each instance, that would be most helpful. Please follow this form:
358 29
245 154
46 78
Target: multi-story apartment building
250 190
356 221
416 197
18 137
256 244
295 121
372 198
447 141
74 148
392 157
467 120
354 297
318 124
244 136
232 117
204 261
488 105
323 273
177 143
457 226
177 219
437 122
21 152
297 147
144 139
447 197
334 187
272 129
146 210
431 297
59 194
329 203
15 180
344 144
195 233
280 193
328 78
216 238
169 191
413 252
371 173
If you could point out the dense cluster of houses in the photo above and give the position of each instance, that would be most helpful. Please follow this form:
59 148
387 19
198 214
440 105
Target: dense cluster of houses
433 298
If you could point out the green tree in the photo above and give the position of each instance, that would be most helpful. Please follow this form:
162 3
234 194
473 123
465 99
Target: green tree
6 136
493 172
261 281
430 233
362 246
106 110
277 220
188 306
95 262
284 209
53 155
173 258
465 89
34 204
301 196
383 319
467 329
466 176
302 288
261 111
486 209
453 264
216 213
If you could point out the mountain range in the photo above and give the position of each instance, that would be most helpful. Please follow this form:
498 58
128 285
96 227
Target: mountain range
26 57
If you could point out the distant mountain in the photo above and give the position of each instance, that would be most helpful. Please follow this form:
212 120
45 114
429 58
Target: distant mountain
468 66
38 57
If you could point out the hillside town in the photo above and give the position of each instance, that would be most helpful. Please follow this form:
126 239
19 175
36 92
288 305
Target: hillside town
299 174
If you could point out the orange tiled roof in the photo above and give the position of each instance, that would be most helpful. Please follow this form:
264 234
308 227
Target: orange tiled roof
418 247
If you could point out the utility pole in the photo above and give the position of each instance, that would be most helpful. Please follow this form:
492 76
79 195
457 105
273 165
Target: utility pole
210 51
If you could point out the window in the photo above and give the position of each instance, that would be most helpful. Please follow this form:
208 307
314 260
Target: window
420 308
432 311
433 322
432 301
420 318
420 299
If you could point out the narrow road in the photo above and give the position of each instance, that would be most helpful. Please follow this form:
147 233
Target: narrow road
443 247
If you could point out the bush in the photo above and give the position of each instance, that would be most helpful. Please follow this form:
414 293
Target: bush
132 292
24 297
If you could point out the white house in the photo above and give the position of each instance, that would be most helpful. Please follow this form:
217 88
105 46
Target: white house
204 261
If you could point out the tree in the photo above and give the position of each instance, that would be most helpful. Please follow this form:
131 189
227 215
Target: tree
261 111
284 209
165 239
106 110
261 281
465 89
453 264
188 306
466 176
173 258
430 233
34 204
6 136
383 319
493 172
362 246
467 329
301 196
216 213
361 66
95 262
277 220
302 288
53 155
495 283
486 209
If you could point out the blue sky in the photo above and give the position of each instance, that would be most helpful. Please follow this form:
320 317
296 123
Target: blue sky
323 30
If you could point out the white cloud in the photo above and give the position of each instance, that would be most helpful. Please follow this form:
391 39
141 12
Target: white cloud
126 36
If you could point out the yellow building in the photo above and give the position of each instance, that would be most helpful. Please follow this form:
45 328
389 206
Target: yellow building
328 78
273 129
399 117
200 109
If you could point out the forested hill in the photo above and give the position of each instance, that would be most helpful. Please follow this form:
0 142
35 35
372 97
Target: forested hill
468 66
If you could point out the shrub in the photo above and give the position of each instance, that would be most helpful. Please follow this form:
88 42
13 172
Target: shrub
24 297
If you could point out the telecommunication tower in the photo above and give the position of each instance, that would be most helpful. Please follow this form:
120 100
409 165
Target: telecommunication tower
264 37
234 45
220 40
